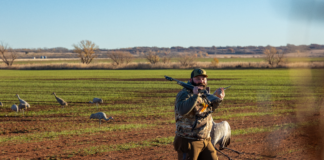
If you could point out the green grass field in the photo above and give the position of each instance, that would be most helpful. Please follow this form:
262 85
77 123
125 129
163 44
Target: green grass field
140 100
82 86
117 86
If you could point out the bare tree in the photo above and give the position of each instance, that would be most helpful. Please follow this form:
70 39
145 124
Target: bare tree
187 60
272 56
119 57
166 59
7 55
128 57
152 57
270 53
116 56
86 51
280 57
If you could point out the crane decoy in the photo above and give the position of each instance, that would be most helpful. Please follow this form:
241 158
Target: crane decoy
100 115
96 100
60 101
22 104
16 108
221 134
22 107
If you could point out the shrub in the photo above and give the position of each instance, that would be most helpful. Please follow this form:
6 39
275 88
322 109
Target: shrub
215 62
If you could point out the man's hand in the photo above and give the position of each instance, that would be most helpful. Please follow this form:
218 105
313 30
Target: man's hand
220 93
195 89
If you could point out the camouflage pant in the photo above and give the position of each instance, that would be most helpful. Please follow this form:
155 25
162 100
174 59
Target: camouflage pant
194 150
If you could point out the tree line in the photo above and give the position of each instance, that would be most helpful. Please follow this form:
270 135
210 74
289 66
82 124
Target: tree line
289 48
87 51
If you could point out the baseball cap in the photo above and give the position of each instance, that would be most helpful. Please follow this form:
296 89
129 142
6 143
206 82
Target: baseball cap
198 72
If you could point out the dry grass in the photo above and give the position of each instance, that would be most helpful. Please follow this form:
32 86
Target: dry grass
266 65
174 65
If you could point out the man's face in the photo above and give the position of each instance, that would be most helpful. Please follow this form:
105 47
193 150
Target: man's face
200 81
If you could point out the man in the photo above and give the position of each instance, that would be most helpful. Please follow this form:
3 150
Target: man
194 120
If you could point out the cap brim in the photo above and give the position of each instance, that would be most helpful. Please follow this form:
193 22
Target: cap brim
201 75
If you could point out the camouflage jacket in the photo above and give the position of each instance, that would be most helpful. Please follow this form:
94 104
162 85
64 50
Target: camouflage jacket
185 122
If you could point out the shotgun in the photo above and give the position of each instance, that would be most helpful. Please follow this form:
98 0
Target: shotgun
185 85
188 86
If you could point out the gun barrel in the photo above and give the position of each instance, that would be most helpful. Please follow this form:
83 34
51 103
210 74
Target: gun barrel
168 78
227 87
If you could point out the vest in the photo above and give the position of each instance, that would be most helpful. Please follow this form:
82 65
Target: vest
197 124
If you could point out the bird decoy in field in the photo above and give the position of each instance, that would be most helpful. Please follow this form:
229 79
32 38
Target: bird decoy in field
1 104
23 105
16 108
60 101
100 115
221 134
23 102
96 100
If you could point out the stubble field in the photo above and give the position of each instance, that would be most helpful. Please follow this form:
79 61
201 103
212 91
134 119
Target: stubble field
274 114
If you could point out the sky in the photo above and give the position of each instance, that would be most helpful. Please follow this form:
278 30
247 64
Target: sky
113 24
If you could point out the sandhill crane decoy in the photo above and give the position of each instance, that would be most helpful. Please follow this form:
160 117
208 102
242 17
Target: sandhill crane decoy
96 100
23 107
221 134
16 108
60 101
22 104
100 115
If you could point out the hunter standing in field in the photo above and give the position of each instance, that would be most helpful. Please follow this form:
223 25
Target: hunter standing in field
193 141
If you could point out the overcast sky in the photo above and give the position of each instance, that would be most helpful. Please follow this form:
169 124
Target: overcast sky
161 23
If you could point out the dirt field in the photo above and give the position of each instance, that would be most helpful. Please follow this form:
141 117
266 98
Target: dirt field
290 143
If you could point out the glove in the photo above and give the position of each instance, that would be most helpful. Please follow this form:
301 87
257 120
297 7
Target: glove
220 93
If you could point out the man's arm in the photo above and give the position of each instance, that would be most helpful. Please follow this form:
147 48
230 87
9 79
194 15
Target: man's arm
185 103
